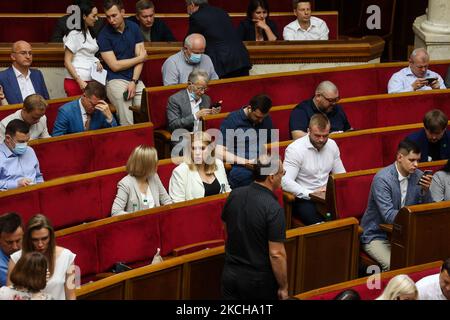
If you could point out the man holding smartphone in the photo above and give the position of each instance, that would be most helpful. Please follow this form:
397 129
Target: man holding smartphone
398 185
416 76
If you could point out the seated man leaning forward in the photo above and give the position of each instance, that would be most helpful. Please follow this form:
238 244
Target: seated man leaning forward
308 162
416 76
19 166
398 185
90 112
305 27
33 113
434 139
178 66
324 101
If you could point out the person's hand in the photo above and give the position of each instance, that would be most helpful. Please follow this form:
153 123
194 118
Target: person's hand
283 294
81 83
435 84
2 94
321 189
104 108
99 66
250 164
425 182
419 83
261 24
131 90
24 182
203 112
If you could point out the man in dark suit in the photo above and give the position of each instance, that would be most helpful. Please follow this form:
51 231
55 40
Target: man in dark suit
186 108
223 46
90 112
19 81
152 29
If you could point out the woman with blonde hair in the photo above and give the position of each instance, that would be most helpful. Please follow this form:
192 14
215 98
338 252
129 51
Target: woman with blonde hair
201 174
40 236
141 189
28 278
400 287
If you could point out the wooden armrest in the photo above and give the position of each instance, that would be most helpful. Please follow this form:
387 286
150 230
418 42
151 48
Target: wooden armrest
103 275
197 247
288 197
135 109
318 197
360 230
163 134
386 227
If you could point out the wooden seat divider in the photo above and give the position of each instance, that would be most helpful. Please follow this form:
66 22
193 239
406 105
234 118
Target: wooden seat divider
310 252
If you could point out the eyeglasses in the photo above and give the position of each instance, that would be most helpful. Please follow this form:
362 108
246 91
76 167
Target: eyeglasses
331 100
199 88
24 53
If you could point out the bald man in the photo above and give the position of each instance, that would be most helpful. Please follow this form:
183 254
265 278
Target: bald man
19 81
416 76
176 68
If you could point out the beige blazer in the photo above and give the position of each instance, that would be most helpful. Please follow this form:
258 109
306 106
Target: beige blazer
128 194
186 184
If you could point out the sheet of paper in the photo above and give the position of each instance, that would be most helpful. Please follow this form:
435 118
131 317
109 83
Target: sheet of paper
98 76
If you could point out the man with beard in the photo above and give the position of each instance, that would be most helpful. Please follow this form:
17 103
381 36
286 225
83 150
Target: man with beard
308 162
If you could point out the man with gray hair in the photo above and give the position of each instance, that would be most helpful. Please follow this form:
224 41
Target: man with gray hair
186 108
177 67
416 76
33 113
325 102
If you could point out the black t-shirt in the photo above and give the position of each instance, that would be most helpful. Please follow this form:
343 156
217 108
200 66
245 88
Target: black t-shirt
212 188
302 113
253 217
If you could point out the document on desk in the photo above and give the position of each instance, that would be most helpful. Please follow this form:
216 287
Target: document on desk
99 76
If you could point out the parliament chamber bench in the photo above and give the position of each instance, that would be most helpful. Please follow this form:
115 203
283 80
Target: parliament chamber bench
310 252
90 150
369 288
366 112
38 27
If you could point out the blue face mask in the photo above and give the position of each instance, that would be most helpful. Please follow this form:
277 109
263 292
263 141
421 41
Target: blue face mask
194 96
20 148
195 58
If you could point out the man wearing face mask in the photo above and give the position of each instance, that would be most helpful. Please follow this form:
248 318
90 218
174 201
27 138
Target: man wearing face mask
186 108
19 166
177 67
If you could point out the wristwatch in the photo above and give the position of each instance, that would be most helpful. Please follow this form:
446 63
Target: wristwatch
135 81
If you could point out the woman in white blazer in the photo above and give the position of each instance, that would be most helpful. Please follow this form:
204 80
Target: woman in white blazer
141 189
201 174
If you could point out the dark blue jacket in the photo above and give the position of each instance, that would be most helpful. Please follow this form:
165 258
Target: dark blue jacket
159 32
11 88
420 138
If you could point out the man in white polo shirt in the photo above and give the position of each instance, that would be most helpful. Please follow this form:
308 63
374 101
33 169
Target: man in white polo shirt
305 27
436 286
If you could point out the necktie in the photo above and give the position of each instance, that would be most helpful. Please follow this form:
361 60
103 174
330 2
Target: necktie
87 124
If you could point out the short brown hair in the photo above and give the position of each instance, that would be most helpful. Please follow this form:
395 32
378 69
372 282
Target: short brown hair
296 2
33 102
95 88
144 5
30 272
38 222
320 120
435 121
108 4
142 162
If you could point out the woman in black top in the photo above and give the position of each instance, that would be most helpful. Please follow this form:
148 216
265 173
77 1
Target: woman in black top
257 26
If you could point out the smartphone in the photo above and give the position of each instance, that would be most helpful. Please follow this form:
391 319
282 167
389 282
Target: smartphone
125 95
426 173
430 80
216 105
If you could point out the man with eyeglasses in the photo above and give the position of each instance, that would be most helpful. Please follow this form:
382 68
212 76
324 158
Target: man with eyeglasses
325 102
90 112
19 80
33 113
177 67
186 108
416 77
19 166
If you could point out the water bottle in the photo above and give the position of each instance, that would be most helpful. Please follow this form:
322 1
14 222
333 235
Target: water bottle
327 216
134 207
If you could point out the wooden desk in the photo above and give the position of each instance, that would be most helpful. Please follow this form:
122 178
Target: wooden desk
320 201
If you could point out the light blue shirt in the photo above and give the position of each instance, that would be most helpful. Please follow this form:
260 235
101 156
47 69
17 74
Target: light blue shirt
14 168
4 260
402 80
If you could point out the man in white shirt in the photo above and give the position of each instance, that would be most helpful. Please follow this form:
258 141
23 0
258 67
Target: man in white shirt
308 162
436 286
19 81
33 113
416 76
305 27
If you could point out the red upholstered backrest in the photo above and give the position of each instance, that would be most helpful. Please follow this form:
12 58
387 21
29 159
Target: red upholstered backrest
84 245
280 120
355 205
361 114
371 294
31 29
165 172
403 110
191 224
77 155
128 241
390 142
26 204
355 153
151 73
108 191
